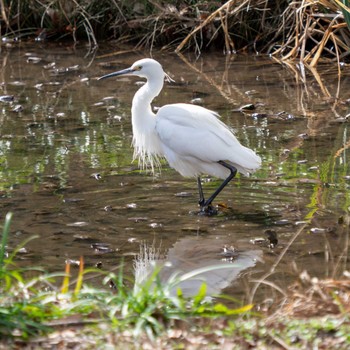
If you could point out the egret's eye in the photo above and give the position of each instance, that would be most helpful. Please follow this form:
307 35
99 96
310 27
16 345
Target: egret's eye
137 68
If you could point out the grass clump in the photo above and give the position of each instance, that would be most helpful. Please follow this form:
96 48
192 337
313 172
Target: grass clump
34 312
31 304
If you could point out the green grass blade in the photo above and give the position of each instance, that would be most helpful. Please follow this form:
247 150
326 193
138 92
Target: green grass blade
345 8
5 234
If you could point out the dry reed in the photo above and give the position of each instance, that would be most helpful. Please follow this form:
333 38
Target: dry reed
306 30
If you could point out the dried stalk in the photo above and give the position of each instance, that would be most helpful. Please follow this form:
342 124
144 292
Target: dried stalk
208 20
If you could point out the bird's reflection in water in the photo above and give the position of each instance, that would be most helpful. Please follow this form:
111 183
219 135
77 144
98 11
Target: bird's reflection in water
220 263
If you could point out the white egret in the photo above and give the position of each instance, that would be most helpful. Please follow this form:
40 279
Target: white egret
191 138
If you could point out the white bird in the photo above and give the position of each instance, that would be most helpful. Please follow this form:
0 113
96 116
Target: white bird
191 138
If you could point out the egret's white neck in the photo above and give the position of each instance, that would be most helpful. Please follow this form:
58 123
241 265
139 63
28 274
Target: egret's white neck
145 139
143 119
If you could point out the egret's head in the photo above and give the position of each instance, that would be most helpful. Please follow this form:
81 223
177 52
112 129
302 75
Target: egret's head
145 68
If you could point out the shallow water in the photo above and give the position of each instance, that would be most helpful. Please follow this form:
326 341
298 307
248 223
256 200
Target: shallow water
67 172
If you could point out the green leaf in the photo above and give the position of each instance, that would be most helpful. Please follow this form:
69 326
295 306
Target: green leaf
200 295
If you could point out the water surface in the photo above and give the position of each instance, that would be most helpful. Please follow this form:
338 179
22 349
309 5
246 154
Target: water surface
67 172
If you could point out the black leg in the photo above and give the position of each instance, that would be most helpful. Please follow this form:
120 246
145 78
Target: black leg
200 190
207 203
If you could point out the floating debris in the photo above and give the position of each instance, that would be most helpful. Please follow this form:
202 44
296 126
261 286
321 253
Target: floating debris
290 117
102 248
285 152
318 230
112 284
7 98
108 208
183 194
259 115
117 118
85 238
155 225
282 222
229 252
54 83
22 250
73 68
270 241
78 224
72 200
247 107
251 92
258 240
33 59
64 70
297 223
197 101
138 219
17 108
271 238
5 39
17 83
131 205
96 176
108 98
49 65
72 262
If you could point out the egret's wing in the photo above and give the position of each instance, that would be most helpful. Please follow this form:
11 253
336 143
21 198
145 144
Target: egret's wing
194 131
199 118
185 128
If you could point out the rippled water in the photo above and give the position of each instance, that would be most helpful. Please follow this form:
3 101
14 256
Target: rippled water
67 172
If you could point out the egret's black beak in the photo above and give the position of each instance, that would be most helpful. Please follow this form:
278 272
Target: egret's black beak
114 74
